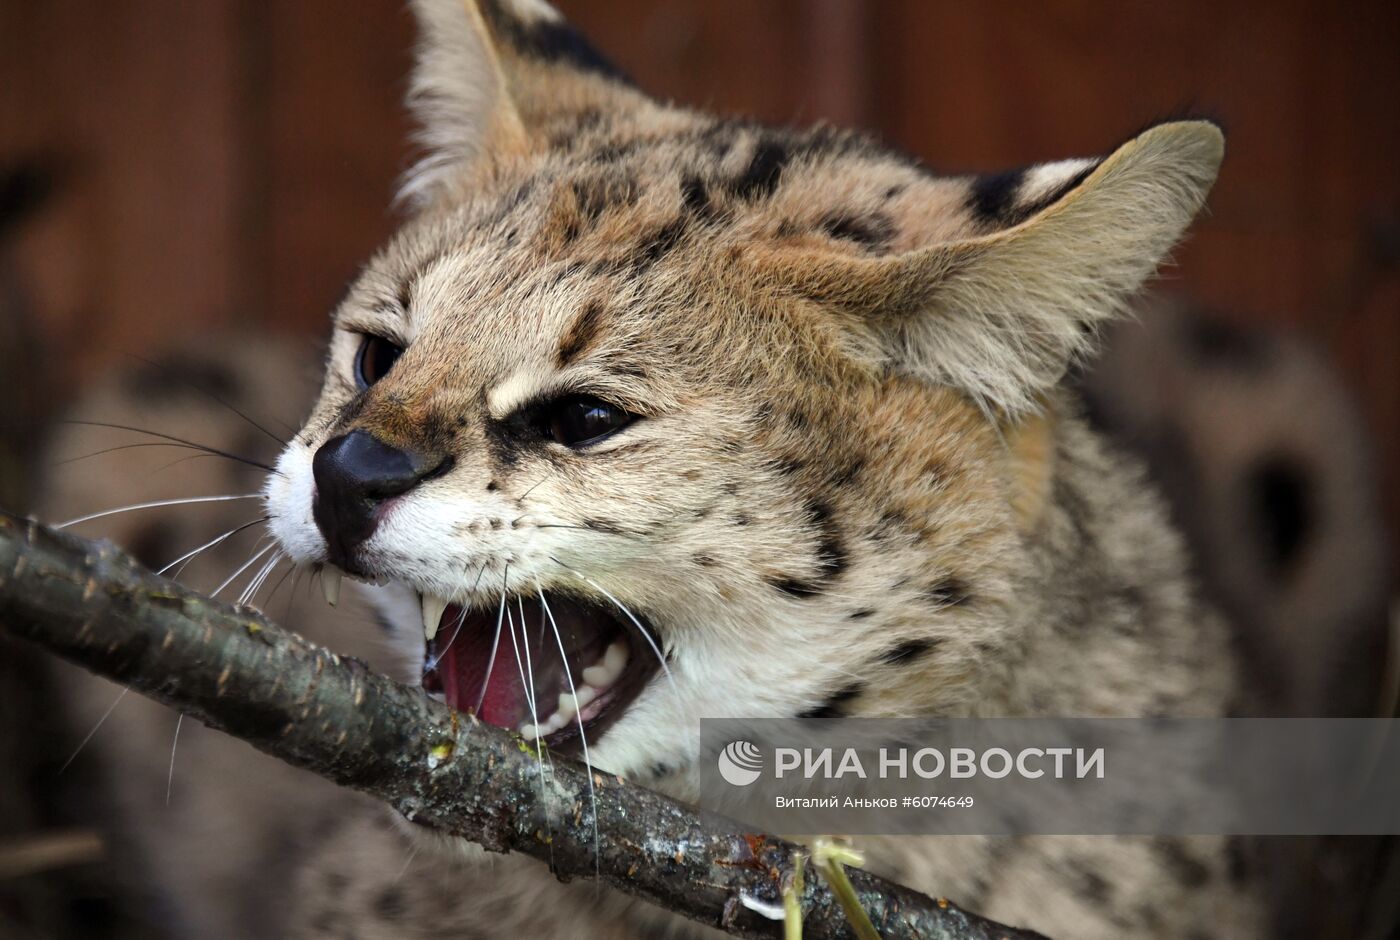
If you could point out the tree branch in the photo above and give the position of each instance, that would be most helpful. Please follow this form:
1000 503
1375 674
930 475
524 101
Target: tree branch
234 670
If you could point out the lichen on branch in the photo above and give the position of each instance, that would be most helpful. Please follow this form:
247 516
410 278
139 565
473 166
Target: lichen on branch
235 670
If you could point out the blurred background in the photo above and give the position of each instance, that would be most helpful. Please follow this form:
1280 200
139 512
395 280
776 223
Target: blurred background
230 162
173 169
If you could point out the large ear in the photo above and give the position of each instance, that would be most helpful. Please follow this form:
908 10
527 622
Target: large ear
489 75
1052 252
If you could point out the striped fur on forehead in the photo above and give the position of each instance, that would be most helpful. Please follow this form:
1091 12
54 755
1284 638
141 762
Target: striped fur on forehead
575 235
659 233
732 178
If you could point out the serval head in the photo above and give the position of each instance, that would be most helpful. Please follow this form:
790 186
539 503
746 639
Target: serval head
647 415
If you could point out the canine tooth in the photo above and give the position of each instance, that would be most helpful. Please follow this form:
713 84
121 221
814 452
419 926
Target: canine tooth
330 583
529 732
597 676
433 606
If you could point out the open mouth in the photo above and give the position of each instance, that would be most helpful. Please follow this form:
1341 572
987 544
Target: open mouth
558 670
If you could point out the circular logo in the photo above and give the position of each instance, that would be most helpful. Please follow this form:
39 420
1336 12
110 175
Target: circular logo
740 763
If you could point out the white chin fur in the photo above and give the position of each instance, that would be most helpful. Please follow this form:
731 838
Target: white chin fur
645 735
288 500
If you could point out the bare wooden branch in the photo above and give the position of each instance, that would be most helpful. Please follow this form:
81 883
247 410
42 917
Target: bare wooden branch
236 671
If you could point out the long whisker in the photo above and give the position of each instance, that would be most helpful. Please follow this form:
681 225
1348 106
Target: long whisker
156 504
210 395
113 450
170 777
526 685
278 586
646 634
256 585
495 644
525 642
105 715
242 568
176 440
121 447
527 678
582 736
262 578
540 752
257 582
179 460
210 544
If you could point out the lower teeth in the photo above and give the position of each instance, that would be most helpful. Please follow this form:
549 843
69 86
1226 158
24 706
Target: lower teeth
598 678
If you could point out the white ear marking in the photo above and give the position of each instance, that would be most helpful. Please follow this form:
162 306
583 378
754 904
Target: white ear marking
1041 181
1001 316
1022 304
534 11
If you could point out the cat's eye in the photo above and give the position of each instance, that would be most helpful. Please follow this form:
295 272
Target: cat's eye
376 357
582 419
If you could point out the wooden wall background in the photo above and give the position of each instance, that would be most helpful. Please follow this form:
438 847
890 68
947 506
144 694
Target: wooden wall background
229 162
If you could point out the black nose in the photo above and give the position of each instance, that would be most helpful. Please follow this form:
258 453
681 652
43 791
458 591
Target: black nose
354 474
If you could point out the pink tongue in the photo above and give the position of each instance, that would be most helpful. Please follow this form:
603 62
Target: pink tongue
462 668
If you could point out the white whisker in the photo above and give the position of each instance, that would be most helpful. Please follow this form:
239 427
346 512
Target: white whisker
495 643
254 581
528 688
256 584
278 586
170 777
525 642
529 680
582 736
209 544
244 567
156 504
105 715
646 634
262 580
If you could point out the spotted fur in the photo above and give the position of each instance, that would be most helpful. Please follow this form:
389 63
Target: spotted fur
857 485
